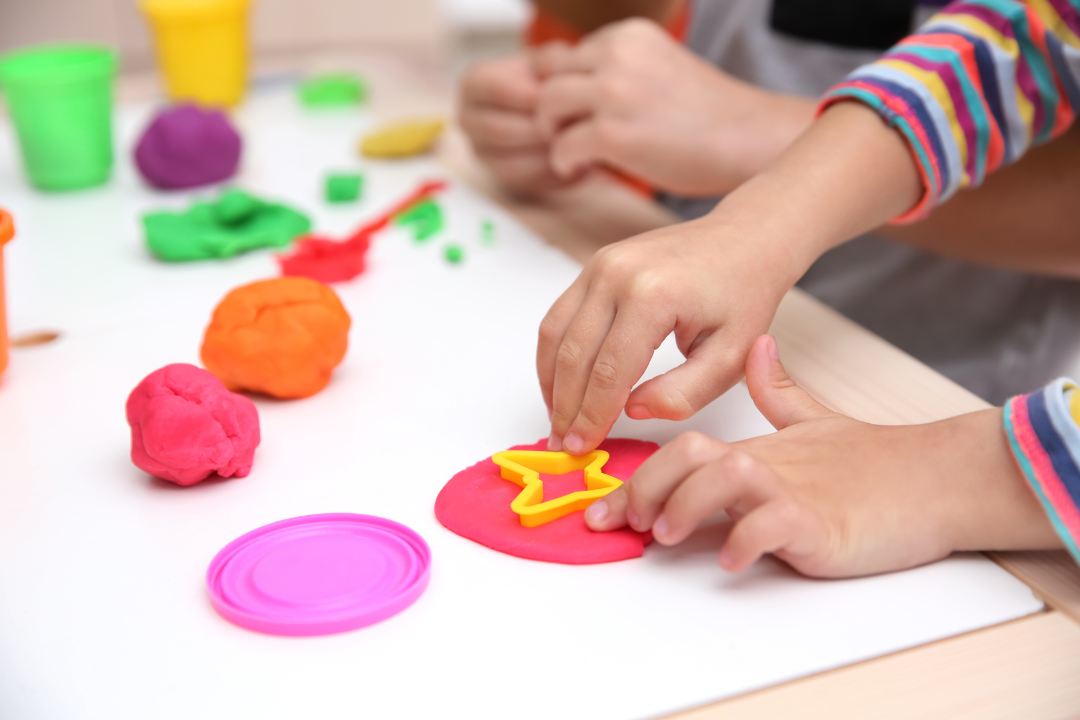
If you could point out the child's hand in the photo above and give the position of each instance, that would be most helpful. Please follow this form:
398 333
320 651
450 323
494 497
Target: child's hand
710 282
498 105
632 97
830 495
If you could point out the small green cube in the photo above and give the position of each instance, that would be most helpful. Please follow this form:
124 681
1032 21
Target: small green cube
333 90
343 187
454 254
487 232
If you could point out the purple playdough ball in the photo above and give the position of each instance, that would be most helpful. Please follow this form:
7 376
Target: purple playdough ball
186 146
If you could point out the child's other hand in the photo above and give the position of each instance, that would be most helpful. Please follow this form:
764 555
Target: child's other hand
832 496
498 105
632 97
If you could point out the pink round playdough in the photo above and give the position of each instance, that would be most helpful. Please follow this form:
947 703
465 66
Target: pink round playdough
186 426
476 504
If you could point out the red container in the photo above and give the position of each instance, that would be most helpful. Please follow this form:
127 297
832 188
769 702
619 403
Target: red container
7 231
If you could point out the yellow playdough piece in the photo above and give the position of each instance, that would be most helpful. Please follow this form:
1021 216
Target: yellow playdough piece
403 139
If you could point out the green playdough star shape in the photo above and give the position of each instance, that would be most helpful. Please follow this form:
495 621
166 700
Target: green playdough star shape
235 223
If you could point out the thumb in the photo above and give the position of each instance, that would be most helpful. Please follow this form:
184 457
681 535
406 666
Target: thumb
776 395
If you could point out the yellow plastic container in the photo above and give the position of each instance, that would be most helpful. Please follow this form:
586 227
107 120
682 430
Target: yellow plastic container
7 231
202 48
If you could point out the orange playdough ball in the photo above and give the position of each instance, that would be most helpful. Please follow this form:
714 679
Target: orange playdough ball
282 337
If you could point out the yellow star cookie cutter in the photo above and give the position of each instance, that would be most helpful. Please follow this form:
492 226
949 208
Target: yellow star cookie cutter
523 467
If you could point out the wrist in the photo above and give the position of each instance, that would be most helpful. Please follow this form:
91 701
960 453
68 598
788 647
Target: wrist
846 175
987 503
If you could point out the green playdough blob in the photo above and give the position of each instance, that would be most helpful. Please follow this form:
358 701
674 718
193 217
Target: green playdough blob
487 232
235 223
455 254
425 219
333 90
343 187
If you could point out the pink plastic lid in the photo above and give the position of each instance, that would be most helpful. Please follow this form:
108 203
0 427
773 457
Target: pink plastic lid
319 574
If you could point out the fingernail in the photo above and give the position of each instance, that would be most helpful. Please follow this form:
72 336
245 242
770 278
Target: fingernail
554 443
639 412
573 443
597 512
774 351
632 518
660 527
726 560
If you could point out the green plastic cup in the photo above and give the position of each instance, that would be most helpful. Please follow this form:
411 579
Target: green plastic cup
60 99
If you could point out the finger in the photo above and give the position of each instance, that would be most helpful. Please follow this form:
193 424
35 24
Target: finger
574 361
661 473
491 129
509 84
778 526
711 368
575 148
735 479
776 395
609 512
558 57
563 100
552 331
620 362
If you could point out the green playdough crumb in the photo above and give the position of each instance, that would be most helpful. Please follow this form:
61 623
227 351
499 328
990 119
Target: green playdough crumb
487 232
425 219
455 253
235 223
343 187
333 90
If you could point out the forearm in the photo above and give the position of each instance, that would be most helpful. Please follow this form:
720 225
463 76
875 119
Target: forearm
849 173
974 89
588 16
1024 217
986 502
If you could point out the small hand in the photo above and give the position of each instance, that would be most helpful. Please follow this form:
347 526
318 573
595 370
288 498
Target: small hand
830 495
632 97
498 105
707 281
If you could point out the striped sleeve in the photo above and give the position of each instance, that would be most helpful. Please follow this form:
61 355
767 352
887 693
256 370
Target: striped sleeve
1044 433
975 87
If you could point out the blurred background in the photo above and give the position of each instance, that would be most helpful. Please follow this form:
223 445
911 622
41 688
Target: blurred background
447 32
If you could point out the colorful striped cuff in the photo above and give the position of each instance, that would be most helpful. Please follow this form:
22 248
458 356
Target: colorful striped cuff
1044 435
899 115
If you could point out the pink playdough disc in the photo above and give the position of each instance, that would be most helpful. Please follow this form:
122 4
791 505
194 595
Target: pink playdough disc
185 426
476 504
319 574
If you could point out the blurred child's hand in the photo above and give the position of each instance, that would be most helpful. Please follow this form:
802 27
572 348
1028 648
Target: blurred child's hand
633 97
498 105
830 495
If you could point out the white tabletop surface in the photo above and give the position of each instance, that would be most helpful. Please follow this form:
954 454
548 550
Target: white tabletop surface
103 607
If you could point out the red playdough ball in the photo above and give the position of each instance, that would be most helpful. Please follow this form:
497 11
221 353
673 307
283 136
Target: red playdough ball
186 426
